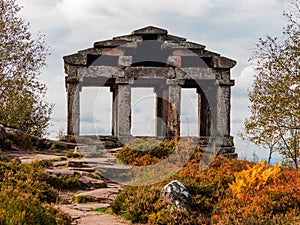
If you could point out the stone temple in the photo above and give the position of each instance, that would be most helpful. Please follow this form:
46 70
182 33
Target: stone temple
150 57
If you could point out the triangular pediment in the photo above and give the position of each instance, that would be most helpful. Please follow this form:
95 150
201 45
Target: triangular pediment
150 30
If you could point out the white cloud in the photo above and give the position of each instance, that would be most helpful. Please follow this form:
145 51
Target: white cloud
246 78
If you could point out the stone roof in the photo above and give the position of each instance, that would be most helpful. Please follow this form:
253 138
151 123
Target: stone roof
152 45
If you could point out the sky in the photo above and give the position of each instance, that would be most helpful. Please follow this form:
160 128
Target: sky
229 27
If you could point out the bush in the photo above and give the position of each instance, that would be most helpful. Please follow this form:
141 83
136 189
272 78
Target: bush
58 146
22 140
19 207
26 197
65 182
83 198
234 192
74 155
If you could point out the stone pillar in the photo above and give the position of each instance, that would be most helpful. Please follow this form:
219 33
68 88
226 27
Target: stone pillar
204 115
223 107
224 141
114 91
174 95
161 110
73 101
123 109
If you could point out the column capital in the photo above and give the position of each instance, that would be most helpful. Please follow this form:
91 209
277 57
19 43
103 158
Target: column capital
225 82
124 80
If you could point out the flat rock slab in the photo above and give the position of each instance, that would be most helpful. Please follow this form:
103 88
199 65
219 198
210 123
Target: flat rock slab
83 214
34 157
103 194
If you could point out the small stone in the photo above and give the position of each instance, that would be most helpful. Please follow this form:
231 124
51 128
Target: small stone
177 194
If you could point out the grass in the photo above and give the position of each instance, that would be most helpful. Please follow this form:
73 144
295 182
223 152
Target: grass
104 210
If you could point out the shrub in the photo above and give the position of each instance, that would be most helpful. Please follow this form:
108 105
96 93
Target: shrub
65 182
272 203
83 198
272 196
18 207
143 204
58 146
74 155
25 196
22 140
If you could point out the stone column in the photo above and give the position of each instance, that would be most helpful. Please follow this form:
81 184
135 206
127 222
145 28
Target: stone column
203 115
161 110
224 140
174 95
123 109
223 107
73 101
114 91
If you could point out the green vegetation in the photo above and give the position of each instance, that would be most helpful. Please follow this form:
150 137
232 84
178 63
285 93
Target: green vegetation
235 192
82 198
65 182
275 119
26 197
105 210
22 57
59 147
74 155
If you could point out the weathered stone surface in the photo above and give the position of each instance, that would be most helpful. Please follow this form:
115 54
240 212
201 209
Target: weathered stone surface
78 163
86 148
177 194
150 57
92 183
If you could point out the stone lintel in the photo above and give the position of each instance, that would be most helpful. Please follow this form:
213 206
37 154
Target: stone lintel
150 72
100 71
221 62
195 73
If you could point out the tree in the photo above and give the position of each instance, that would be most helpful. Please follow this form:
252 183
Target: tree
275 96
21 60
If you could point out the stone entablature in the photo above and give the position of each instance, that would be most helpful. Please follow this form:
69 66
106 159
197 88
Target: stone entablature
150 57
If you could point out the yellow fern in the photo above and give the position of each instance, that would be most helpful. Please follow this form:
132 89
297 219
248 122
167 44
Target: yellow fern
254 178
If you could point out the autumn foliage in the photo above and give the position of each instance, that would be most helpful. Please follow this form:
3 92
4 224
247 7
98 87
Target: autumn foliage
227 192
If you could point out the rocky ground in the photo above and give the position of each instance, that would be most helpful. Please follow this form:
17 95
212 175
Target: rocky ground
100 192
